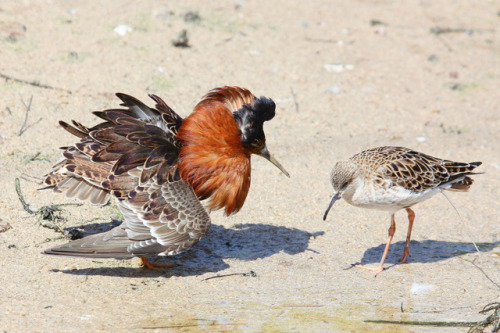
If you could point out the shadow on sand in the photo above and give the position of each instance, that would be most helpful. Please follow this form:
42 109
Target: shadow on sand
424 252
243 242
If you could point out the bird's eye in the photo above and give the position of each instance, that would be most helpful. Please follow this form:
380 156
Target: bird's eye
257 143
344 185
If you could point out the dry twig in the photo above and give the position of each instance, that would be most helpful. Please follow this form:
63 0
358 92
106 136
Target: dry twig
32 83
482 271
425 323
26 207
25 127
294 100
251 273
47 214
492 320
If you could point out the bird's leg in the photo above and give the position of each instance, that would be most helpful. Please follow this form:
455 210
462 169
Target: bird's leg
380 268
152 265
406 251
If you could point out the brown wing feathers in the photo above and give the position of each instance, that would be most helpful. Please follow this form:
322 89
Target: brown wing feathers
127 139
418 172
172 119
80 131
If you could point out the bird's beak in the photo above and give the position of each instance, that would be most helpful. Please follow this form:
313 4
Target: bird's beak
265 153
336 197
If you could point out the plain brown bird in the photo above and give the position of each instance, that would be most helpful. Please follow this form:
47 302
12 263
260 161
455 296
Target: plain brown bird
159 166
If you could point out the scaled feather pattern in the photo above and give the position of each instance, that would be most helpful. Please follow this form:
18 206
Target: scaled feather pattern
398 177
395 178
158 167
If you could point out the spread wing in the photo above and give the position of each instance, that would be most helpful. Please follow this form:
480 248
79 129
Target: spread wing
417 171
132 155
99 164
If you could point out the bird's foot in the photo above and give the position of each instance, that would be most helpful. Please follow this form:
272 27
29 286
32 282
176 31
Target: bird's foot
406 254
378 269
154 266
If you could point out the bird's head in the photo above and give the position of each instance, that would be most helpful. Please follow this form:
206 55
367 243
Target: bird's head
250 118
343 178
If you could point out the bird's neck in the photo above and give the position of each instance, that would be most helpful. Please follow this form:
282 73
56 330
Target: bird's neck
212 159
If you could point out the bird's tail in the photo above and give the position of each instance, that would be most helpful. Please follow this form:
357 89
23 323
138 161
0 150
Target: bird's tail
111 244
459 180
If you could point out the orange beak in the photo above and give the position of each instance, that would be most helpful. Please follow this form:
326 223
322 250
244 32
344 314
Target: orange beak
265 153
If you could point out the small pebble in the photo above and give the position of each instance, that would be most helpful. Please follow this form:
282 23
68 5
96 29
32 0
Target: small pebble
192 17
333 89
122 29
338 68
433 58
181 40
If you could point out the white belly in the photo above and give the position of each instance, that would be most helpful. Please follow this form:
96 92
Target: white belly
389 199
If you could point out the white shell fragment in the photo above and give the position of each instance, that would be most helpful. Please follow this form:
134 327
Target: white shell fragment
122 29
338 68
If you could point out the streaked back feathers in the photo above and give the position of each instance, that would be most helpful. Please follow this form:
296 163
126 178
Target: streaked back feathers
413 170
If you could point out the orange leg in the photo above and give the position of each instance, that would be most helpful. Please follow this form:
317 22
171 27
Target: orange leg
380 268
152 265
406 251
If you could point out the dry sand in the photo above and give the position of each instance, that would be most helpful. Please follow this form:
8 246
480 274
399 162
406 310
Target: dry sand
346 76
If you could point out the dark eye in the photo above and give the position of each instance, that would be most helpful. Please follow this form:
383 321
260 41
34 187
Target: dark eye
257 143
344 185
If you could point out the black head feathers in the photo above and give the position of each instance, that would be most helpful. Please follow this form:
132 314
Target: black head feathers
264 107
250 118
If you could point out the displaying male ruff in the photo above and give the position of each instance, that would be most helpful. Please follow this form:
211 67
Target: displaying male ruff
159 167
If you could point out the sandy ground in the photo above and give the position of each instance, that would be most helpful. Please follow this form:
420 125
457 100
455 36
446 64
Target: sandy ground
346 76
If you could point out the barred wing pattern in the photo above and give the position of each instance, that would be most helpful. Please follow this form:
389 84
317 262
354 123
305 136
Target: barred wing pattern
132 155
158 220
169 215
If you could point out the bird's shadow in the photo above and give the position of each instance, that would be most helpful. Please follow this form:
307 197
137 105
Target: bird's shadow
426 251
242 241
